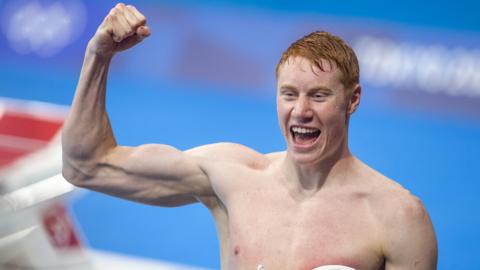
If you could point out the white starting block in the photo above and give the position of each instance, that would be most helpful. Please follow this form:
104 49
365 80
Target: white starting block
36 229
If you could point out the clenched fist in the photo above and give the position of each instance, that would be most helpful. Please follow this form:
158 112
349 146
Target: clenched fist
123 28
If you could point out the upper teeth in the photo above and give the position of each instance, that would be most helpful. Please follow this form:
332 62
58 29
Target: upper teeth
304 130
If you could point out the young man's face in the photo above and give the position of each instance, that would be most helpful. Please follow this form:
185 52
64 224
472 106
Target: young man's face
312 109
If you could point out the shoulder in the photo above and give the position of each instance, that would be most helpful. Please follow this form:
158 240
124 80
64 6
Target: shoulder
403 221
409 240
227 166
395 204
405 216
401 208
391 203
230 153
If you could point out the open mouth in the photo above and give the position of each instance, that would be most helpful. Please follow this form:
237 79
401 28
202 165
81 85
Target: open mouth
304 135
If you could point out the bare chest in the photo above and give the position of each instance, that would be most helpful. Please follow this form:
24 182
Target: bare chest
274 230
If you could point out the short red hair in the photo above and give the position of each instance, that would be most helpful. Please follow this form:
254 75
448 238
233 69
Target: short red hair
321 45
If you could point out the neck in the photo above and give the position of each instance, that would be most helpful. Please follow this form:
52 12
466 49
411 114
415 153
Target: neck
307 179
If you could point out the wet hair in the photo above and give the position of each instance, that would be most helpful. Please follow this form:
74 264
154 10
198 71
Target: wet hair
321 45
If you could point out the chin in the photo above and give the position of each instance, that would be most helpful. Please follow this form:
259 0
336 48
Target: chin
308 158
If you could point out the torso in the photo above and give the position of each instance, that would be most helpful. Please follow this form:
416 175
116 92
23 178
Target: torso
260 222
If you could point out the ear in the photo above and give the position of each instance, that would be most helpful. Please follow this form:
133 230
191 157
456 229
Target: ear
354 99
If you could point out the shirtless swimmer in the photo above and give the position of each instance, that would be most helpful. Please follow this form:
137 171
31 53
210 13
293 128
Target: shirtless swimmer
313 205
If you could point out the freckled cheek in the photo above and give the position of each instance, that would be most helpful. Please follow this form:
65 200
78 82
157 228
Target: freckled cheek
331 110
333 122
326 114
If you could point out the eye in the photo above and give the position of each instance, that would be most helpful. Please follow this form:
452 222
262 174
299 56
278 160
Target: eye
319 96
289 95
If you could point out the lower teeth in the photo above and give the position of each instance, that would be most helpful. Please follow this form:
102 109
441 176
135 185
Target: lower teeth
306 136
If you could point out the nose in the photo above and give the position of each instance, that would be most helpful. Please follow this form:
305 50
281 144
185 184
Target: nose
302 110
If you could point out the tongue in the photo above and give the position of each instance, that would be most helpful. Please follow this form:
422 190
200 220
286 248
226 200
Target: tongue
307 138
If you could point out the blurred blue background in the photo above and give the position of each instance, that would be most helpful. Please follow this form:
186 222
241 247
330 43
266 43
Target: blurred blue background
207 75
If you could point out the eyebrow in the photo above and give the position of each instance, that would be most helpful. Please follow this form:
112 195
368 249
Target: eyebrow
287 87
311 90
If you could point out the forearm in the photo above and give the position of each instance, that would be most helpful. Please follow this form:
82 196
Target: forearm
87 133
87 137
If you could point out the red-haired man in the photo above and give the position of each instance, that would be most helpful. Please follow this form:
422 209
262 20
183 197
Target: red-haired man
313 206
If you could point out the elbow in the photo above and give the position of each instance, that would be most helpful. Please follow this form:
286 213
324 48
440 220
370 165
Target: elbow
71 176
79 171
75 175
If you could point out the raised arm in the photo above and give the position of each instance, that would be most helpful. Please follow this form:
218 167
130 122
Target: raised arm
154 174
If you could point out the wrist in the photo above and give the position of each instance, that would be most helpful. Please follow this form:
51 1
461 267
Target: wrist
93 50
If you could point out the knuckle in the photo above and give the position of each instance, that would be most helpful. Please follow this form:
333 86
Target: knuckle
133 8
134 24
120 5
138 23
